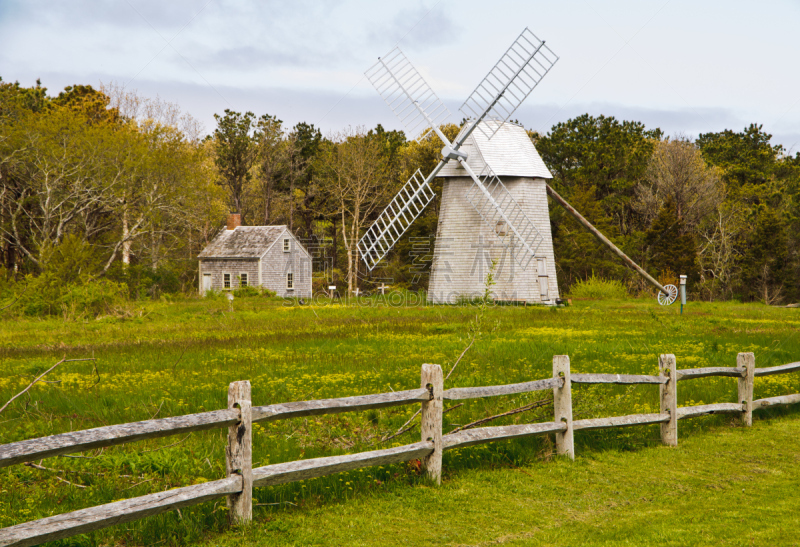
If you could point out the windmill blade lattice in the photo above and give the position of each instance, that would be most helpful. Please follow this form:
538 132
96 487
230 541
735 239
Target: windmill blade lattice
408 94
504 215
393 222
510 81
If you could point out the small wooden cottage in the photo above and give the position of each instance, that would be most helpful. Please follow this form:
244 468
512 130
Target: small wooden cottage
265 256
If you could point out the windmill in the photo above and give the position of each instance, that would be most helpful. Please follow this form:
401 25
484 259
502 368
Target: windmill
501 217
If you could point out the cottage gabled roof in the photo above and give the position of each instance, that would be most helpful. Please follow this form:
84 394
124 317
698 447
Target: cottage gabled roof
243 242
509 153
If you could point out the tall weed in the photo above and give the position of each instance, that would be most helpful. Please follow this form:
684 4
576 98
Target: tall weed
597 287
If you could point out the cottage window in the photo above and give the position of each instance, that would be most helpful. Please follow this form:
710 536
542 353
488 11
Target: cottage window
286 245
226 281
289 281
243 279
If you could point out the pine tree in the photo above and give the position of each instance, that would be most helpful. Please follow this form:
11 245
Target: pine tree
672 246
767 274
578 254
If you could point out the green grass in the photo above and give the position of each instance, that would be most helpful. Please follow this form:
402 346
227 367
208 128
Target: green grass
178 358
724 486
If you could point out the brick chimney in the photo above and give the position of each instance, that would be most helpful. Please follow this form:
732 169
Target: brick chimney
234 220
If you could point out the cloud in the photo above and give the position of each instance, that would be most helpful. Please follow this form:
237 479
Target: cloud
251 58
690 121
416 28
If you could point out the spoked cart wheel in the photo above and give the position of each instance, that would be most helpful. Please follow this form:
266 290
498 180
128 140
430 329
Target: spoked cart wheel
666 300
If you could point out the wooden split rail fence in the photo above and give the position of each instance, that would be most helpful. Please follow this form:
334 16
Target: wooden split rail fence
240 415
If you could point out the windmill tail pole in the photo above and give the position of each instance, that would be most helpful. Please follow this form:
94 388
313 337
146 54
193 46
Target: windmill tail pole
603 239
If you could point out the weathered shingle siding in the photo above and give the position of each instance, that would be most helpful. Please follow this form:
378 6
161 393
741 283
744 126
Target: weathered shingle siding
466 245
276 264
242 249
218 267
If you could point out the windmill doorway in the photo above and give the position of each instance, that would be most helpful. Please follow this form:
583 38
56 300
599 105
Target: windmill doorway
544 288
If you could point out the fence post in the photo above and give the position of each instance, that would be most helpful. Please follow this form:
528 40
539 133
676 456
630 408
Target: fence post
562 405
746 361
239 453
669 399
431 378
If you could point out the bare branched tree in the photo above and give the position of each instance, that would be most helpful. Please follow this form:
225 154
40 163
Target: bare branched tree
357 177
717 255
678 172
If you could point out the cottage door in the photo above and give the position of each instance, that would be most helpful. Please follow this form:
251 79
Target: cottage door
206 283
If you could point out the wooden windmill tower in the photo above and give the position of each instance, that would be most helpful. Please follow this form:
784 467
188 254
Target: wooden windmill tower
469 241
494 204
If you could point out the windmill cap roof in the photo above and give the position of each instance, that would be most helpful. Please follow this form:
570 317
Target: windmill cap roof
509 152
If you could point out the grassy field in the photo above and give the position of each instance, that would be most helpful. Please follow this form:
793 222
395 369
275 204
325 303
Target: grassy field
723 486
177 358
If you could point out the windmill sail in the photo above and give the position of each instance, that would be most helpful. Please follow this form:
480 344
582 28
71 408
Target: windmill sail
408 94
393 222
493 202
421 111
510 81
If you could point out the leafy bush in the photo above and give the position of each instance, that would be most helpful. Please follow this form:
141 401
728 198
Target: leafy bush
597 287
49 295
93 299
145 282
243 292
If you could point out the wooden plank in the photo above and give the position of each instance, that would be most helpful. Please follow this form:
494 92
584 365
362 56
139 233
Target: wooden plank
668 396
703 410
620 421
78 441
459 393
283 411
239 454
617 379
499 433
746 361
775 401
103 516
431 420
562 407
730 372
282 473
769 371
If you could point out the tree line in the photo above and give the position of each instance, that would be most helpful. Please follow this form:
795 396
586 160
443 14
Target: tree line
104 187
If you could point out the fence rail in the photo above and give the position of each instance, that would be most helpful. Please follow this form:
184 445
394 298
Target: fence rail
240 415
776 401
705 410
617 379
620 421
691 373
102 516
283 411
769 371
88 439
281 473
460 393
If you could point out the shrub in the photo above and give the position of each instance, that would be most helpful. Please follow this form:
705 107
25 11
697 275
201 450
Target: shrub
145 282
243 292
597 287
93 298
49 295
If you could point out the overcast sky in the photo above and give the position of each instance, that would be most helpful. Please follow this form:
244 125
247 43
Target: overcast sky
684 66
